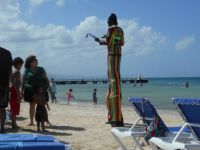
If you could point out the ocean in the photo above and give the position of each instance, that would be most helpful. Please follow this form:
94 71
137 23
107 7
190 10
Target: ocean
158 90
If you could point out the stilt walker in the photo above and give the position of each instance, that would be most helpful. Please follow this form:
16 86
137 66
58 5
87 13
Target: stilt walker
114 41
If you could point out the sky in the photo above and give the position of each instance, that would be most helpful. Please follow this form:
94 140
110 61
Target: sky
161 37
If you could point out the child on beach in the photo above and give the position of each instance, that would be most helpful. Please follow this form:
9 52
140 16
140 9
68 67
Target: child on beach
69 96
41 113
15 90
95 96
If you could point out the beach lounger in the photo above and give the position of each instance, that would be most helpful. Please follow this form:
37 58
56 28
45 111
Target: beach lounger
146 112
31 142
136 129
190 111
34 146
15 137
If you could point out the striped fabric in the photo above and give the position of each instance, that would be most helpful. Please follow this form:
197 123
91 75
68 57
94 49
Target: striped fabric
114 41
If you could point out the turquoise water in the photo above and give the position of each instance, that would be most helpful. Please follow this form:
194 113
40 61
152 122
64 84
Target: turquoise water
158 90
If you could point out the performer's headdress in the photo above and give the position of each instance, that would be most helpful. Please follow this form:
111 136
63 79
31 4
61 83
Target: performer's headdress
112 19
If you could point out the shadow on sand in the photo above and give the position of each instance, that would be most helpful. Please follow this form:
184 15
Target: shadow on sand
21 118
47 133
66 128
64 142
10 130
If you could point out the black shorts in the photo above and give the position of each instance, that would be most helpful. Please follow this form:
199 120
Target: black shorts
41 113
28 95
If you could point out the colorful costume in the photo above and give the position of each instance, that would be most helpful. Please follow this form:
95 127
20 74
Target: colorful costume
114 41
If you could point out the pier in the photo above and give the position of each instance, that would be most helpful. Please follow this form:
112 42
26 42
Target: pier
96 81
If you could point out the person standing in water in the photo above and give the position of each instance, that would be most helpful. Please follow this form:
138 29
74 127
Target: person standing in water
69 96
95 96
114 41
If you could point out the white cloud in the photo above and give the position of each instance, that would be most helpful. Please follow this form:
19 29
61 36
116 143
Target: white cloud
65 50
9 10
60 2
185 42
140 40
35 3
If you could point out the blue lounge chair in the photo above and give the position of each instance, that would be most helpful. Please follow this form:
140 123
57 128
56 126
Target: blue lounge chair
146 112
190 111
33 146
31 142
12 137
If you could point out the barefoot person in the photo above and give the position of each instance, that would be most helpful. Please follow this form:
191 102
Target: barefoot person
52 90
5 74
30 68
41 115
114 41
34 76
15 90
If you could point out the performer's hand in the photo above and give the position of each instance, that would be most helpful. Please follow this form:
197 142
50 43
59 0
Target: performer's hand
97 39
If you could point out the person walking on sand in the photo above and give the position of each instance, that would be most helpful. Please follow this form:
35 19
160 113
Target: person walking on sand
70 96
52 90
5 75
114 41
15 90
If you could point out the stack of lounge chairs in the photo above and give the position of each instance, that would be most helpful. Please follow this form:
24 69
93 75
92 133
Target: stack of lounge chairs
184 137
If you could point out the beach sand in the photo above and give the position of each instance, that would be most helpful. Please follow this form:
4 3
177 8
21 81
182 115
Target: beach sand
83 124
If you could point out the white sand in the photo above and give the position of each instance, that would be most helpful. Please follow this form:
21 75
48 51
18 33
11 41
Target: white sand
83 124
